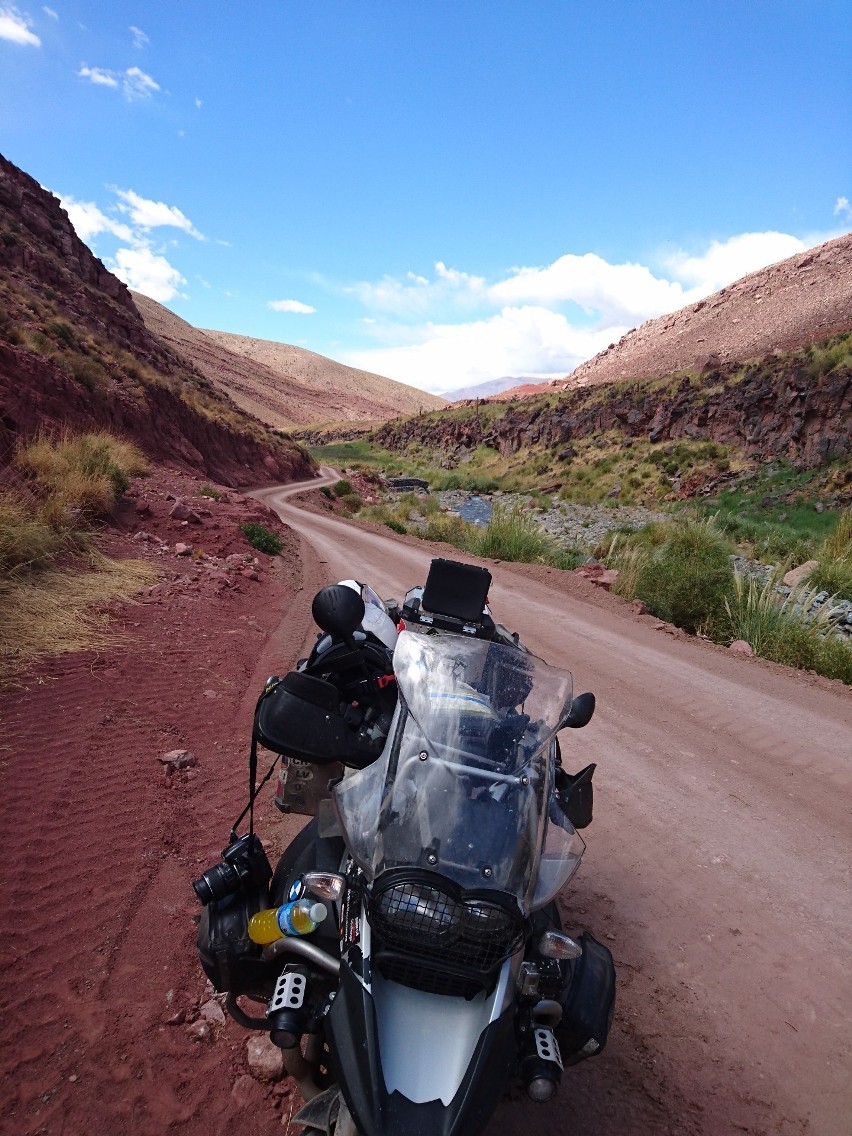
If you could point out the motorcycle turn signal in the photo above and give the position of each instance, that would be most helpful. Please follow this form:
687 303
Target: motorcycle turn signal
326 885
555 945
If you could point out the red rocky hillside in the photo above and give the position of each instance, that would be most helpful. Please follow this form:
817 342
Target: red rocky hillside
75 352
788 305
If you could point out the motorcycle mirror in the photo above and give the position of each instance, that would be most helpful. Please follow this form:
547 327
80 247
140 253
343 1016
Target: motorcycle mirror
580 712
338 610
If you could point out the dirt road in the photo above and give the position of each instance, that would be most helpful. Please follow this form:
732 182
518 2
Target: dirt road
717 868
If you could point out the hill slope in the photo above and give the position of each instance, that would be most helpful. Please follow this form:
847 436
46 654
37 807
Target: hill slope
780 308
75 353
282 384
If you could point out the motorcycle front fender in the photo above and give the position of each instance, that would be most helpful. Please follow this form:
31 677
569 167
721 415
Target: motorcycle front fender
353 1032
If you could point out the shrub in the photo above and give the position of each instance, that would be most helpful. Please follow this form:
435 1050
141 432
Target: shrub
341 488
513 535
326 491
795 631
262 538
351 501
682 571
209 491
61 609
88 472
396 526
834 577
838 545
61 331
451 530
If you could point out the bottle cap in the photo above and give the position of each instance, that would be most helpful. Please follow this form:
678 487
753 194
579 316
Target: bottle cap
318 912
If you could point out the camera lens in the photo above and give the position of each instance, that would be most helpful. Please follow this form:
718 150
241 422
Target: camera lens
217 882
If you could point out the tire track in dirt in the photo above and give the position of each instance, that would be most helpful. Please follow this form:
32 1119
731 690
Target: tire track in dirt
96 857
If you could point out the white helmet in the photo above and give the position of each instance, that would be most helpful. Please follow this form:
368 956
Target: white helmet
376 620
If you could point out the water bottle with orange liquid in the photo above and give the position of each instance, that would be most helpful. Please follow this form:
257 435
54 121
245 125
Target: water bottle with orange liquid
299 917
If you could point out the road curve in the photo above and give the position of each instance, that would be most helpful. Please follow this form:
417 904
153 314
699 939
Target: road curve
717 868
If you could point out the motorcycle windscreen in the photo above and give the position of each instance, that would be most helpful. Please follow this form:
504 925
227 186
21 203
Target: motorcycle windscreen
463 785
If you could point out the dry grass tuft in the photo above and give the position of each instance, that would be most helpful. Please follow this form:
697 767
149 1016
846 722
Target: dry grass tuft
61 609
88 472
27 538
53 598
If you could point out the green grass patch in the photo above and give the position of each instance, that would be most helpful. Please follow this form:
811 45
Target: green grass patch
771 515
210 491
794 631
262 538
681 569
351 502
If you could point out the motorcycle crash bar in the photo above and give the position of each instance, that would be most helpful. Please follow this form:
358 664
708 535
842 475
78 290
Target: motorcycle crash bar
309 951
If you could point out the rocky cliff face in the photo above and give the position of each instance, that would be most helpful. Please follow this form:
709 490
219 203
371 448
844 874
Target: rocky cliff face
780 308
75 352
775 409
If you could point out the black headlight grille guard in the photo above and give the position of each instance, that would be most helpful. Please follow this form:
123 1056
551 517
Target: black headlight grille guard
420 914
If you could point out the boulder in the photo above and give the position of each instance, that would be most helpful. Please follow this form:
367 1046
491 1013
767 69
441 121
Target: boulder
265 1061
740 647
796 575
181 512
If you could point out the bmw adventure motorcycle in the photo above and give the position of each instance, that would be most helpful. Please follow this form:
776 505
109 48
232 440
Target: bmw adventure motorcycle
443 828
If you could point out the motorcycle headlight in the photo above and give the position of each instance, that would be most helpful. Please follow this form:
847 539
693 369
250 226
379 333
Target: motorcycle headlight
412 911
425 918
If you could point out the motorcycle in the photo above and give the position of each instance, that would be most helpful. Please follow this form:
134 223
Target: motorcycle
443 828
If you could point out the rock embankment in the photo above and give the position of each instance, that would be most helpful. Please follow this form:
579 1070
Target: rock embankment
777 408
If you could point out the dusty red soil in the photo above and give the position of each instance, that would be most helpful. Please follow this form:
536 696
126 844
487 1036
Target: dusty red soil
99 975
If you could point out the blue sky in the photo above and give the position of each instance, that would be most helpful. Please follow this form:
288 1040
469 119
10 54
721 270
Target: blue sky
444 193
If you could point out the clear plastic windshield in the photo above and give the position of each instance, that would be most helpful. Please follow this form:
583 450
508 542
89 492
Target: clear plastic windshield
464 782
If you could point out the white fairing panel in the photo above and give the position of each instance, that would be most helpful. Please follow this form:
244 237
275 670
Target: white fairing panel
426 1041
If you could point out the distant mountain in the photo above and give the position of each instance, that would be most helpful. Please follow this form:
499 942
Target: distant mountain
487 390
283 385
780 308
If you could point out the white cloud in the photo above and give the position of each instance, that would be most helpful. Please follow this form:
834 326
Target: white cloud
417 295
149 214
88 220
148 273
528 340
537 330
16 27
99 76
134 83
50 12
842 209
619 293
726 261
139 37
198 104
291 306
137 84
